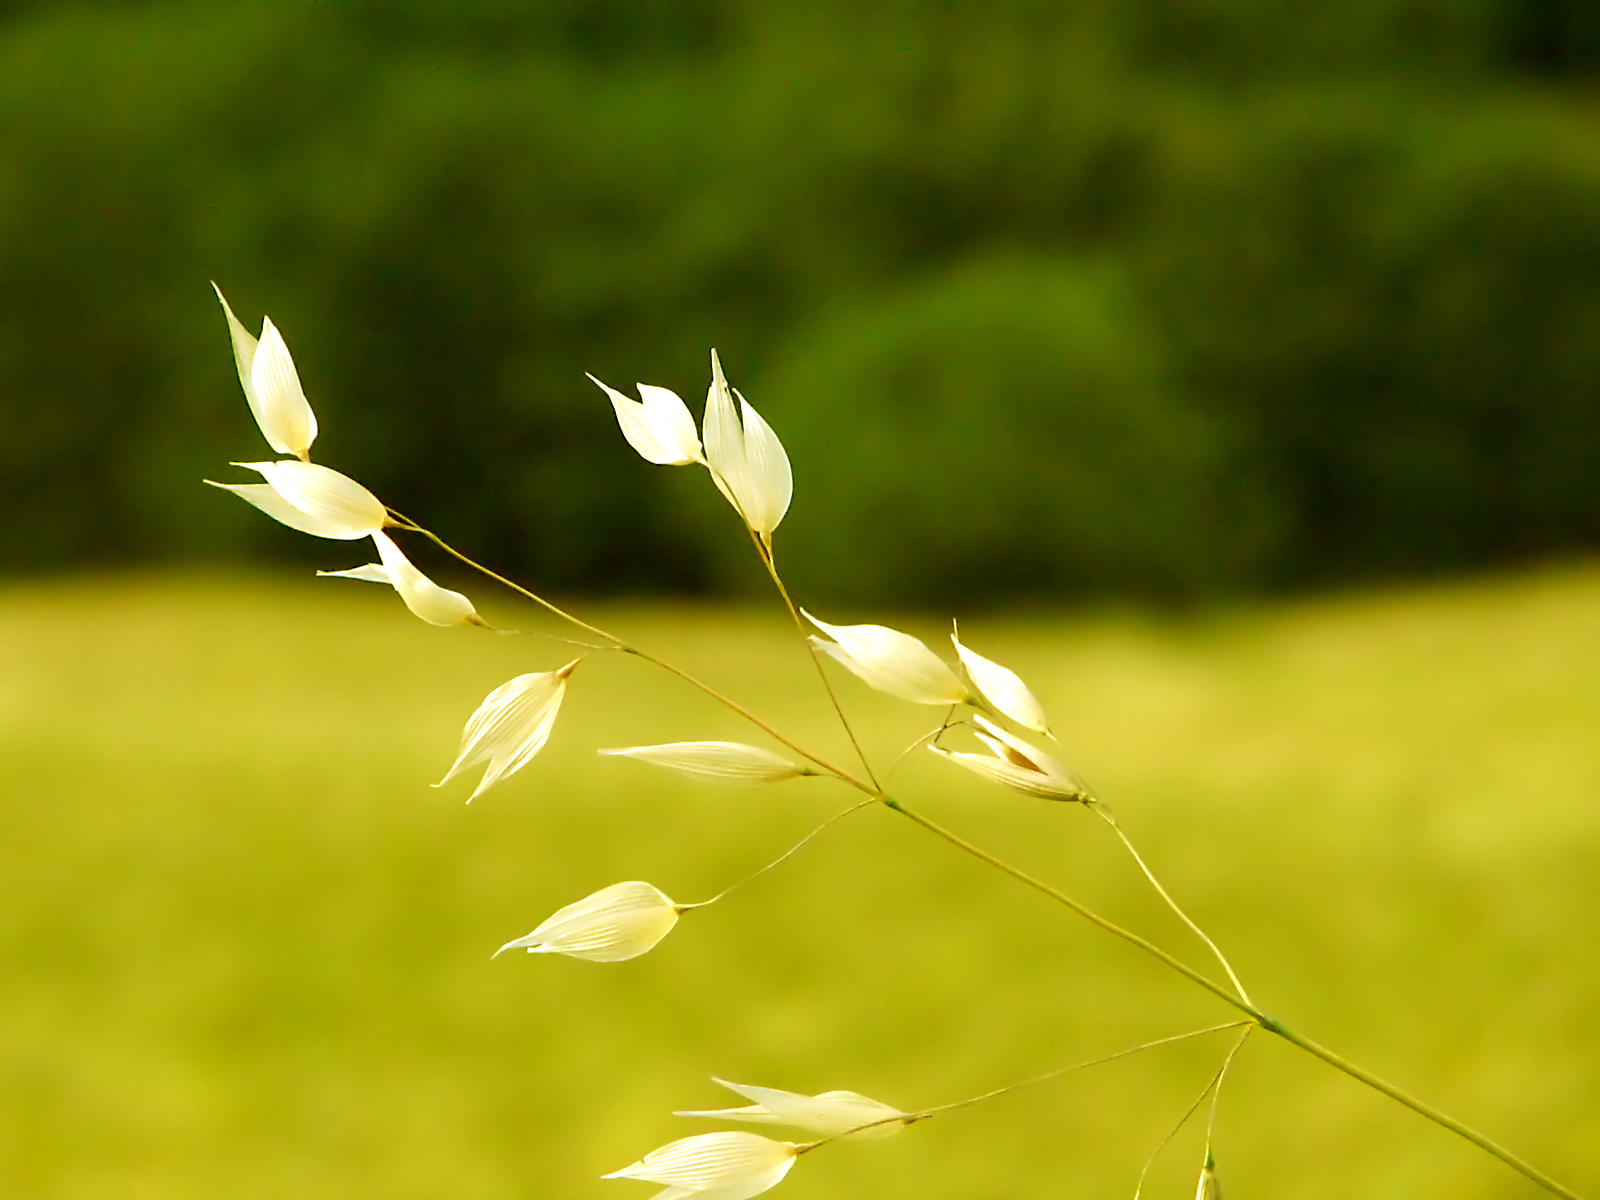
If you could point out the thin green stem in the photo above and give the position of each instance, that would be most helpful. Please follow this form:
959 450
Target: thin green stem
926 1114
1105 814
1270 1024
925 739
786 855
407 523
1082 910
1216 1093
1417 1106
1212 1088
764 552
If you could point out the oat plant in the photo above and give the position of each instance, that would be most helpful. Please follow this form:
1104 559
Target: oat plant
988 722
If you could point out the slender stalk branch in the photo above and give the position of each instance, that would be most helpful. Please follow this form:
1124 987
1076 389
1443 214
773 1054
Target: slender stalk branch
932 735
1417 1106
1270 1024
786 855
407 523
1105 814
926 1113
1213 1088
1216 1092
765 553
1082 910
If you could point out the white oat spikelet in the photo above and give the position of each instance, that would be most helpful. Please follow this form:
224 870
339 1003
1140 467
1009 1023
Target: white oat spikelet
312 499
747 462
657 425
1017 764
714 1166
891 661
1002 688
425 598
616 923
717 762
831 1114
510 726
271 386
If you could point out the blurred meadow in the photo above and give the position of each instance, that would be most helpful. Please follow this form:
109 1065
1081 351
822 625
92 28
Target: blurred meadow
246 949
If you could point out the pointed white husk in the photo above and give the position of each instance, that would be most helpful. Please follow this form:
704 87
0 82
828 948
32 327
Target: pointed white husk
767 465
828 1113
616 923
716 762
891 661
371 573
747 462
724 439
1002 688
1208 1187
714 1166
271 385
510 726
1017 764
658 425
434 604
331 505
267 498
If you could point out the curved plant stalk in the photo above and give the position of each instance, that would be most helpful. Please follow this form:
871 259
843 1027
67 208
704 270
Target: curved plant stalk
927 1114
1266 1022
787 854
928 738
406 523
1100 810
1213 1088
765 553
936 1110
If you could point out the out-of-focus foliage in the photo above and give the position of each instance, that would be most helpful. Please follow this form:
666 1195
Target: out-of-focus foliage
1003 422
1065 299
1404 313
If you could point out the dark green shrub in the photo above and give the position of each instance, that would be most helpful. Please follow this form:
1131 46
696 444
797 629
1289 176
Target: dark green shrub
1001 430
1381 292
1402 311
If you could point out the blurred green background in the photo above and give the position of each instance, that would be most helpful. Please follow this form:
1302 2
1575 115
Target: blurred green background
1123 307
1088 299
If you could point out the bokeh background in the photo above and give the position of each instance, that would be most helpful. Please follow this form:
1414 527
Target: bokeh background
1083 299
1129 331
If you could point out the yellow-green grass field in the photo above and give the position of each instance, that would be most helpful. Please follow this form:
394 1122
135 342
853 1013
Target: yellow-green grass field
245 948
